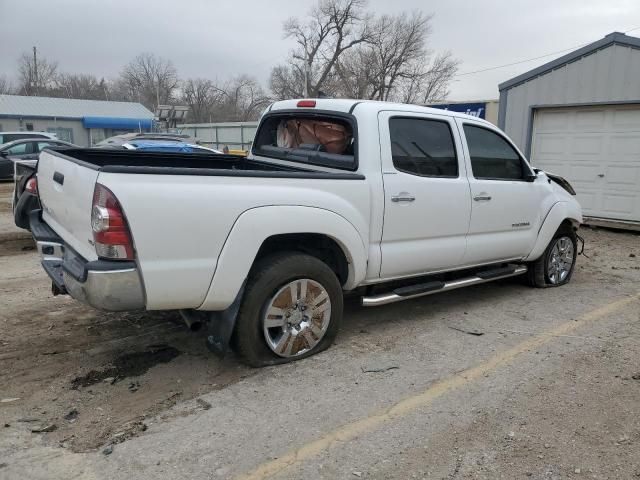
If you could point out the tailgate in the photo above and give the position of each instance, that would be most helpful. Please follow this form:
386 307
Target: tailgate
66 188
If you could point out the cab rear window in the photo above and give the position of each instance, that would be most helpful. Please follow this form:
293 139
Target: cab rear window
322 140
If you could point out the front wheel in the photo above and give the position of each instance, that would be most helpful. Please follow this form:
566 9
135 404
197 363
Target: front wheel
292 309
555 266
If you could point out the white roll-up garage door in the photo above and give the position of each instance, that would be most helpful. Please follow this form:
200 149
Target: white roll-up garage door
598 150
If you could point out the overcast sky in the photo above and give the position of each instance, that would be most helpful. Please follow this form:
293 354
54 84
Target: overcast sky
223 38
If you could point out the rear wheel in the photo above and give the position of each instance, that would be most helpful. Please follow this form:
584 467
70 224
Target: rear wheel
291 310
555 266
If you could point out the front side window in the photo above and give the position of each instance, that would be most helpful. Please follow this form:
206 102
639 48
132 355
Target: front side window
492 157
43 145
423 147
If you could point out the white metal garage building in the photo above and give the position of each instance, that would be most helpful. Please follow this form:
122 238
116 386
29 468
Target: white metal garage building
579 116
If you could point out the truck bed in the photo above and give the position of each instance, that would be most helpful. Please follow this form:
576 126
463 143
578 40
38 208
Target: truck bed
176 163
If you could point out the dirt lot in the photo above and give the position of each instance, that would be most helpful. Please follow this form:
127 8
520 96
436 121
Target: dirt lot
566 406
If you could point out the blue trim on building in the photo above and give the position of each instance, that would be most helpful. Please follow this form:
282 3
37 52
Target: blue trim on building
118 123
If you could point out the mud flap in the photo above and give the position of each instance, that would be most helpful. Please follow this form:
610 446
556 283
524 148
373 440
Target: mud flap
220 326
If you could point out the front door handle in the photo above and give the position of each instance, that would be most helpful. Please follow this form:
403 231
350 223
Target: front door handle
482 198
403 197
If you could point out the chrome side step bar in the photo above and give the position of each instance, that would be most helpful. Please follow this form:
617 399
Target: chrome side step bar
421 290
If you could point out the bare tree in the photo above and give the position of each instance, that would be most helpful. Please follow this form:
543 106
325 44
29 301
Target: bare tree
430 84
36 76
71 85
5 86
201 95
334 27
395 64
237 100
148 79
398 46
244 99
344 52
287 81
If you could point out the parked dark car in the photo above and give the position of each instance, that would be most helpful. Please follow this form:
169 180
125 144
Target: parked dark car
25 149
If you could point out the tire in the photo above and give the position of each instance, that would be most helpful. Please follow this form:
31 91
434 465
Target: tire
291 331
550 270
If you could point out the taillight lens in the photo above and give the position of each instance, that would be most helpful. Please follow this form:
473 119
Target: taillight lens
110 230
31 186
306 104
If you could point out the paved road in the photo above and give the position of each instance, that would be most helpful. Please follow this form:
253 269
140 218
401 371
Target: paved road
551 389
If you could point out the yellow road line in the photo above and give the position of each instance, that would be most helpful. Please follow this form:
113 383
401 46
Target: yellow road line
408 405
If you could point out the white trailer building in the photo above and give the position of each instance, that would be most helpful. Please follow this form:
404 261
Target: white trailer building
579 116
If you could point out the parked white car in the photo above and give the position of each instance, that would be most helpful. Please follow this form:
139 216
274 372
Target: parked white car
386 201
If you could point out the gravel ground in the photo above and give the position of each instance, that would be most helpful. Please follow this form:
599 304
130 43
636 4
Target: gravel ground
8 230
144 386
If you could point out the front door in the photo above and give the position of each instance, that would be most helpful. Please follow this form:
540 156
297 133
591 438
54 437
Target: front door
507 203
427 200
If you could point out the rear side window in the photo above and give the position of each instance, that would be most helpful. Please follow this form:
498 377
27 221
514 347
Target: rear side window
43 145
20 149
423 147
492 157
322 140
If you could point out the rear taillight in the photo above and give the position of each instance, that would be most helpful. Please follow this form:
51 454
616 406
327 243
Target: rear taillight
110 230
31 186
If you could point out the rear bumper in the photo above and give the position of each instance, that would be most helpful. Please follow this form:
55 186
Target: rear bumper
105 285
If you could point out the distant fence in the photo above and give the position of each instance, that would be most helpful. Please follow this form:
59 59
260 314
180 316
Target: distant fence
235 135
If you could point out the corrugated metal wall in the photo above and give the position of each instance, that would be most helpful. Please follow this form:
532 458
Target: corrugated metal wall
608 75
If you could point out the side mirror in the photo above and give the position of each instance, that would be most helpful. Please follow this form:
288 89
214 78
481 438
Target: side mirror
530 177
4 154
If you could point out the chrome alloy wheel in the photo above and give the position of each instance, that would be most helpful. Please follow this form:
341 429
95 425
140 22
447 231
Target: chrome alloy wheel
296 318
560 260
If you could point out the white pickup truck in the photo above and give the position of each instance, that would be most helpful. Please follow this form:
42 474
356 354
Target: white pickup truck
385 201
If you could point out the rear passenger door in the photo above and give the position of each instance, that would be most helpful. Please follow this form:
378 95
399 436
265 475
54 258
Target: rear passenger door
427 201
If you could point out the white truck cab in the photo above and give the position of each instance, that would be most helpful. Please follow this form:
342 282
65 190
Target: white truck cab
386 201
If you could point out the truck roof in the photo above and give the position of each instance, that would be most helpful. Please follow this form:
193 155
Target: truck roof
371 106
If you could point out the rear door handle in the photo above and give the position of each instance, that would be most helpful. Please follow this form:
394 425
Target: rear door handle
482 198
403 198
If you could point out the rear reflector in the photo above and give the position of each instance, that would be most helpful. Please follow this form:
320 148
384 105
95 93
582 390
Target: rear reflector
110 230
31 186
307 103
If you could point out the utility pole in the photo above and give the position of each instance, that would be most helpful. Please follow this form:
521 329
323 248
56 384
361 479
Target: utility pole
35 70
